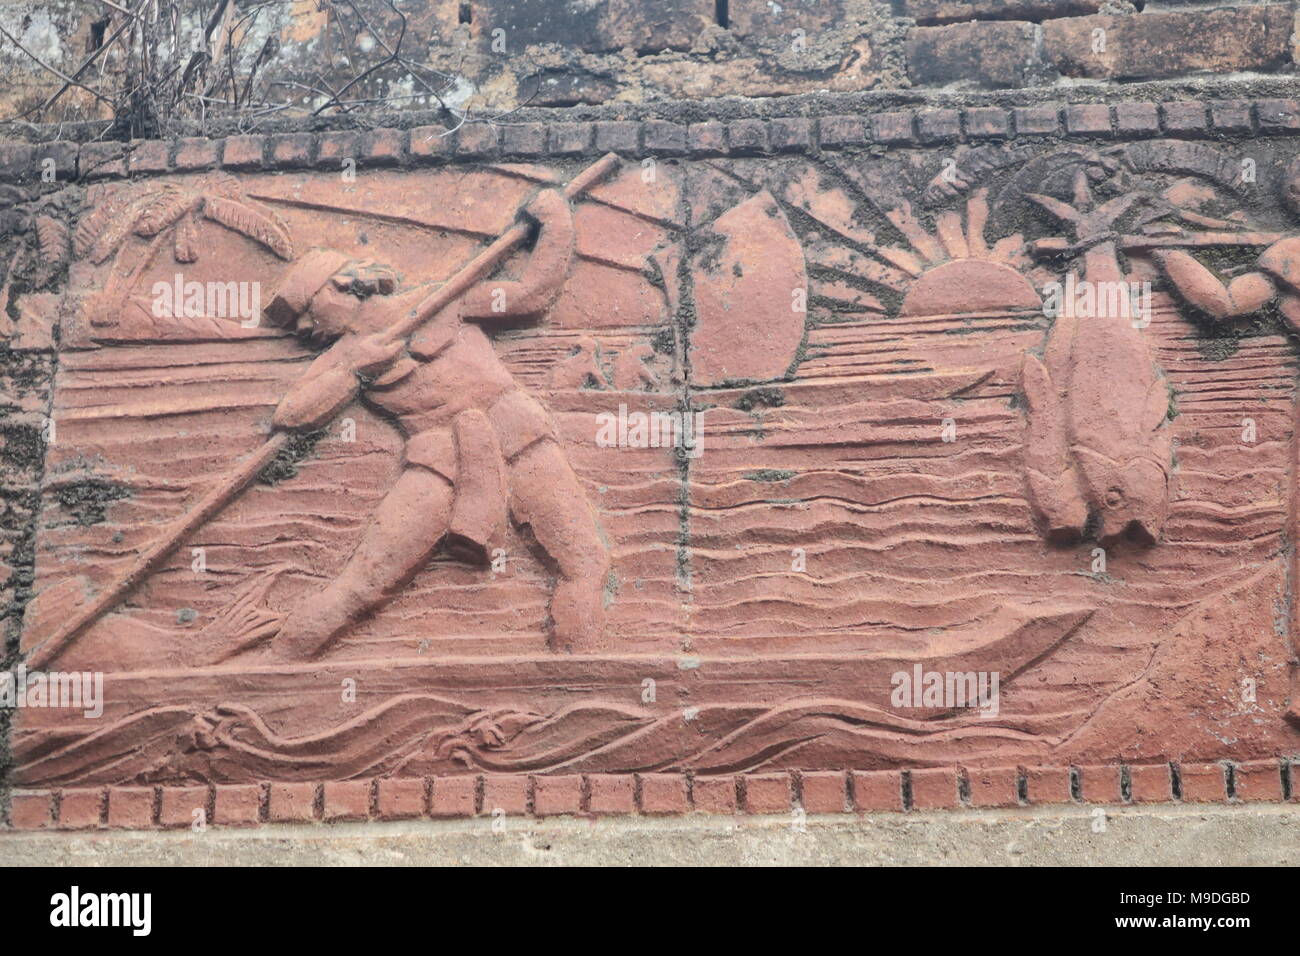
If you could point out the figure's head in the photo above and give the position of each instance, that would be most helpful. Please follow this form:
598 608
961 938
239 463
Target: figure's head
1291 186
1131 498
321 295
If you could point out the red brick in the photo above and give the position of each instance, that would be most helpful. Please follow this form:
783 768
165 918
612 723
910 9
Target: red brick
1230 116
935 788
1048 785
767 793
237 805
938 126
747 136
80 809
385 147
823 792
334 147
292 802
102 160
1100 784
991 54
517 139
663 793
1203 782
758 18
505 791
1037 120
130 807
838 131
1151 783
557 795
714 794
570 139
1157 44
149 156
292 149
1137 117
618 136
243 152
994 786
706 139
876 790
1258 780
196 153
434 142
1089 119
400 798
612 793
1278 116
347 800
984 122
454 797
790 133
476 140
663 138
1184 116
176 810
31 809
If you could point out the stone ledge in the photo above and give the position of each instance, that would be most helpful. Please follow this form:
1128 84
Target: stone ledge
1167 835
597 795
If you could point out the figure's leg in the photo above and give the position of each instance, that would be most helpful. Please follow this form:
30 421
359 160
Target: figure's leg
546 495
406 529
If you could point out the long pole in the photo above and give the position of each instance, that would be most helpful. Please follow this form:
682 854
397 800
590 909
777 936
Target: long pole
243 474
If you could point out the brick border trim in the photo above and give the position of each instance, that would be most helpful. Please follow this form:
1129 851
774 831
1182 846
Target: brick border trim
653 794
423 145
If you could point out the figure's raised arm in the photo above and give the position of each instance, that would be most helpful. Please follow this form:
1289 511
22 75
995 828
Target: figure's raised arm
544 274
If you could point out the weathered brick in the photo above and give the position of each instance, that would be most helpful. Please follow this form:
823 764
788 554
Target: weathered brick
149 156
517 139
758 18
1158 44
611 793
953 11
1184 116
938 126
336 146
1047 785
80 809
877 790
935 788
617 136
663 138
17 162
747 136
243 152
990 54
194 153
790 133
840 131
130 807
454 797
1278 116
1137 118
823 792
663 793
237 805
1230 116
31 809
1088 119
1100 784
714 794
505 791
102 160
706 139
176 809
1203 782
1258 780
433 142
1037 120
385 147
291 150
767 793
347 800
1151 783
477 141
594 27
571 139
987 122
557 794
400 798
292 802
994 786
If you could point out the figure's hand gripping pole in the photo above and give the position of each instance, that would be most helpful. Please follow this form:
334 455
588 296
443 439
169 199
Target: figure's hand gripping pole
247 470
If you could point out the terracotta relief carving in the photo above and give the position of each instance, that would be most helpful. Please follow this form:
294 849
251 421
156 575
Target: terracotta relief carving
698 465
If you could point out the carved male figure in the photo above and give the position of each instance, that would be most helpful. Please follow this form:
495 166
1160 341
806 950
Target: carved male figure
478 451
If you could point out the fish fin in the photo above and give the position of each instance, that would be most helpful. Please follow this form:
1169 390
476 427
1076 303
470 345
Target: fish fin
1156 410
1053 485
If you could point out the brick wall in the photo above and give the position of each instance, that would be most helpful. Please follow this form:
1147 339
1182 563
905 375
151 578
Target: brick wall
493 55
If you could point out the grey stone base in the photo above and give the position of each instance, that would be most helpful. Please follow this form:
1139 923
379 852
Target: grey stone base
1167 835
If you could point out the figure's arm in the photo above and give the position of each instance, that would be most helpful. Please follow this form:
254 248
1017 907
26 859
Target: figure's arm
331 382
1201 288
543 275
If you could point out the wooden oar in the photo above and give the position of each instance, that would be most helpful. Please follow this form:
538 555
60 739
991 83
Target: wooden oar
243 474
